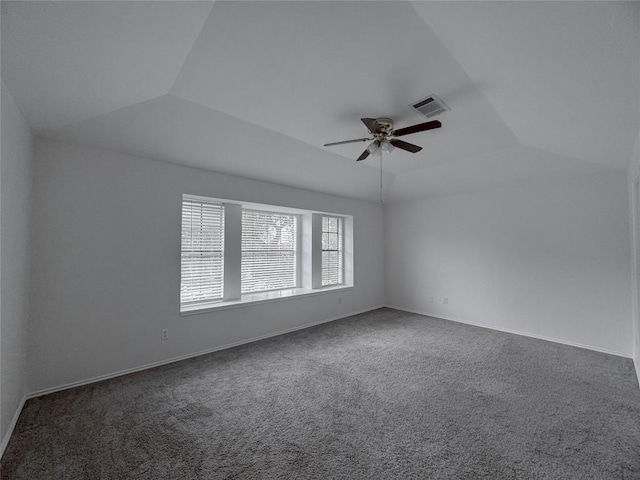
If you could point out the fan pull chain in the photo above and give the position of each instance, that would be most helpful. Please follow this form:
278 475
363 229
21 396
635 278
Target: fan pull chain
380 176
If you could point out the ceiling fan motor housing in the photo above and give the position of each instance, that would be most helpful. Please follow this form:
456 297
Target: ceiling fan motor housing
386 124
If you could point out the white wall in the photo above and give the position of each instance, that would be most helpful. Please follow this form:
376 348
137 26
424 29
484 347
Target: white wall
15 205
106 267
548 260
633 175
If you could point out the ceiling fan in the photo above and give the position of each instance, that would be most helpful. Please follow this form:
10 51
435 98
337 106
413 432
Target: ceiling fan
384 137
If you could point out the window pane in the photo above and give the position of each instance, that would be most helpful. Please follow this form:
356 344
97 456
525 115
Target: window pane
332 252
202 252
269 251
333 241
331 268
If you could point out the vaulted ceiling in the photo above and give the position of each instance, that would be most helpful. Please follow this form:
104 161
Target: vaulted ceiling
536 89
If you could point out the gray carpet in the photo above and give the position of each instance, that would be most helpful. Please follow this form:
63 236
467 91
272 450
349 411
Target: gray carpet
381 395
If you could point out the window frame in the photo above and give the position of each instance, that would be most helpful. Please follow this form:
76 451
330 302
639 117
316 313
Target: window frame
340 249
296 250
190 304
308 256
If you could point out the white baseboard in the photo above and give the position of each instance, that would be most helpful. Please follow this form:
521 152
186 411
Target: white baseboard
147 366
515 332
12 425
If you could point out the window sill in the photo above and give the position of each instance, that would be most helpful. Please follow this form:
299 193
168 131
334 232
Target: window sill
263 297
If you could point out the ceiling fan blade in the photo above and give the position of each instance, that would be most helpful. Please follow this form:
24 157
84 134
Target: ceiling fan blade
421 127
364 155
347 141
409 147
372 124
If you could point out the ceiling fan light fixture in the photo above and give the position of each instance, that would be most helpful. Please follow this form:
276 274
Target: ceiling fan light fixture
374 147
377 145
387 147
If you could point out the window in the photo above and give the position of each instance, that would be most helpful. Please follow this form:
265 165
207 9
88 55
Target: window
269 251
332 254
235 253
202 252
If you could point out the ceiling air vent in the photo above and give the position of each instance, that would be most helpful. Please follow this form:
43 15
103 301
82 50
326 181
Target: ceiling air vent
430 106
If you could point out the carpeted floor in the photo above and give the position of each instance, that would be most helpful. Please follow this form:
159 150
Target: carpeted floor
381 395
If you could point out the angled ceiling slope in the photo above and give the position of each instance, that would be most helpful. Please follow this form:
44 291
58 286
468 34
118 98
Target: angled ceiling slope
564 76
65 62
171 129
536 89
311 70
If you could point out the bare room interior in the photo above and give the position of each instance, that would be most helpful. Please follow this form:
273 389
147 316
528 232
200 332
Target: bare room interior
320 239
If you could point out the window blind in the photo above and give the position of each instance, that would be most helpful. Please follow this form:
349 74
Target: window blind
332 252
202 252
269 251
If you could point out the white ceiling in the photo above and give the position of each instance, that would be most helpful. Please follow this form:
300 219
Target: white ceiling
563 75
66 62
536 89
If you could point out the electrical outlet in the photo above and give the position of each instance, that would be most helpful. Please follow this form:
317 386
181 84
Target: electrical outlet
446 300
165 334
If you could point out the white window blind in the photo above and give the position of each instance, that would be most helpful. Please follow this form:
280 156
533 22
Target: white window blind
269 251
202 252
332 252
